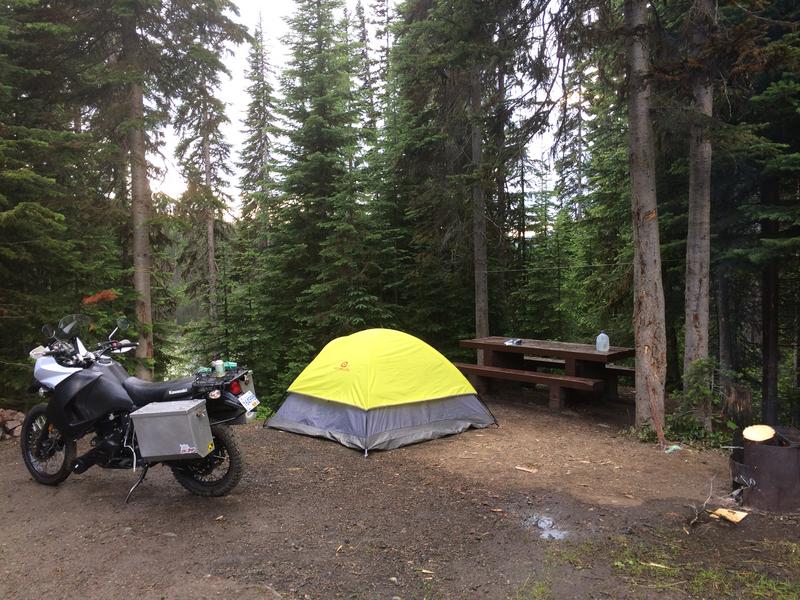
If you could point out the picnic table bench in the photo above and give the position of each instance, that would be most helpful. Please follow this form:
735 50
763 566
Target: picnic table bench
584 368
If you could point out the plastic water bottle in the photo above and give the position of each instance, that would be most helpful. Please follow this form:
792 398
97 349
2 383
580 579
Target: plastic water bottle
602 342
219 368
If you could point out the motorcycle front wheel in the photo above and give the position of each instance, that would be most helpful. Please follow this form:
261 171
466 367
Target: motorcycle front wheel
47 455
216 474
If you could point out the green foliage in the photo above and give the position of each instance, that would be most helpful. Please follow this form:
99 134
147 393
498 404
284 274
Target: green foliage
59 231
357 182
698 416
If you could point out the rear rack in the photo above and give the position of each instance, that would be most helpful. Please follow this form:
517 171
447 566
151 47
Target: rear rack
209 381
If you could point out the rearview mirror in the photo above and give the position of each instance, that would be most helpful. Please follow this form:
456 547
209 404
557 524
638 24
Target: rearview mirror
122 324
48 331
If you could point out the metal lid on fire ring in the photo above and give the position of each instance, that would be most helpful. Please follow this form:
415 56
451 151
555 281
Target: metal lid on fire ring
758 433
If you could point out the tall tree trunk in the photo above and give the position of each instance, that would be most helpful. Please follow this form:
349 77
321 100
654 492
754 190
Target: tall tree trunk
522 216
673 358
724 325
479 214
141 205
698 237
769 314
796 367
500 181
648 310
211 246
769 342
579 158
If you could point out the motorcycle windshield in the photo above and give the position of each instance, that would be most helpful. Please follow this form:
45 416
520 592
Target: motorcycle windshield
71 326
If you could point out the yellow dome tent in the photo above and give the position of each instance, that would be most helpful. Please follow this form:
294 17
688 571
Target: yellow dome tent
380 389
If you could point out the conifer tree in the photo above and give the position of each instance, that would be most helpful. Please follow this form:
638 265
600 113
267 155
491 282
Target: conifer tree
319 263
364 69
130 98
249 301
59 229
257 156
649 326
203 151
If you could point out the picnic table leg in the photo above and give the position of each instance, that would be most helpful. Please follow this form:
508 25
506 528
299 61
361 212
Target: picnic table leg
486 358
597 370
612 390
483 385
570 367
556 397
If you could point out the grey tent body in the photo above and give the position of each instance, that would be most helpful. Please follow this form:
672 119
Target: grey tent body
380 428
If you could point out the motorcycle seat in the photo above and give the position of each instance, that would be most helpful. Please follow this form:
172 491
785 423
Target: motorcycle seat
144 392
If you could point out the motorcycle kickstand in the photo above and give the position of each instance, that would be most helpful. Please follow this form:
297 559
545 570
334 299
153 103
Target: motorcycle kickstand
138 482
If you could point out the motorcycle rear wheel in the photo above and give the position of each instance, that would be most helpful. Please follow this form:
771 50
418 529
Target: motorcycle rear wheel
216 474
47 455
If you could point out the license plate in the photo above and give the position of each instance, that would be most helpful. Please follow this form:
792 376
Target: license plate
248 400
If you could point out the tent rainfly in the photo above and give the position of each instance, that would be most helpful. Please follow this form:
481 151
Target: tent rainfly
380 389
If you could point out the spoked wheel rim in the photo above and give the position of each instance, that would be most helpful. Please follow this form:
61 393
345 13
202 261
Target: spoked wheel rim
45 455
216 474
213 467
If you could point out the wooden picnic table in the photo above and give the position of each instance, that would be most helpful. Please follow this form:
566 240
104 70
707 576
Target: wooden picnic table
585 368
576 356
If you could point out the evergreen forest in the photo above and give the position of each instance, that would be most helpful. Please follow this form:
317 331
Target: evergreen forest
394 174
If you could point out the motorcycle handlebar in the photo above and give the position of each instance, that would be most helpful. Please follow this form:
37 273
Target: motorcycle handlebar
115 345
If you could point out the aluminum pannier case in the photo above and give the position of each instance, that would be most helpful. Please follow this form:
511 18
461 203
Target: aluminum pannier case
173 430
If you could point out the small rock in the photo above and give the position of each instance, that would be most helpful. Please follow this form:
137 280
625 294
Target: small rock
12 425
394 580
126 530
17 432
396 598
170 534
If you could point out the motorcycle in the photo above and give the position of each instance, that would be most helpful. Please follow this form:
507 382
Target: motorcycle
90 393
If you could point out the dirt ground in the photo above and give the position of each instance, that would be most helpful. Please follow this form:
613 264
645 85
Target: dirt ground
544 506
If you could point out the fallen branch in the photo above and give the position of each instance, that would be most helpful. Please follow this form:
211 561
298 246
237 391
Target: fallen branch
701 510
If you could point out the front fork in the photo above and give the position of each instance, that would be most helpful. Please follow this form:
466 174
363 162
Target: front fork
45 445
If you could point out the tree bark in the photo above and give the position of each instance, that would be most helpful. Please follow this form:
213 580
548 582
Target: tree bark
726 363
648 311
522 216
141 204
769 315
698 238
673 377
479 214
210 236
769 343
796 367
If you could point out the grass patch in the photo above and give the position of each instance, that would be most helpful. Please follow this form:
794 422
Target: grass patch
540 589
721 583
579 555
663 562
429 592
789 552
